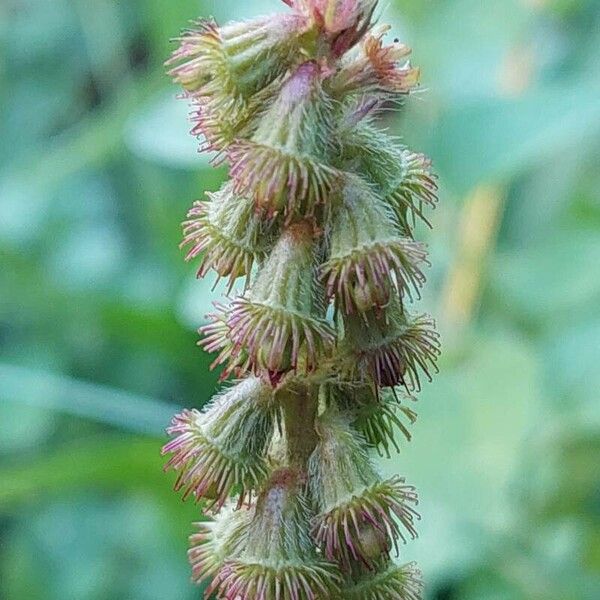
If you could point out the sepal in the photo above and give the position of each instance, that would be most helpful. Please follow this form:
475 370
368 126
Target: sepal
228 232
222 449
374 68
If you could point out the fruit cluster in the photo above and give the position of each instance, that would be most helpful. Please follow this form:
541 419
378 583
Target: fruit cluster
318 221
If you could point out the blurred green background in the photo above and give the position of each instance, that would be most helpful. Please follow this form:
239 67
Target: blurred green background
98 311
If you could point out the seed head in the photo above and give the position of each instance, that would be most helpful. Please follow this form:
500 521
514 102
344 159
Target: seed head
318 220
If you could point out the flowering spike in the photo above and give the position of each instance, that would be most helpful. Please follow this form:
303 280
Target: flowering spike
358 511
322 204
228 232
279 561
284 164
368 258
225 445
281 324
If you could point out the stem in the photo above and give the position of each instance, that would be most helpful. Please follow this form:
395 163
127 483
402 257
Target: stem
300 406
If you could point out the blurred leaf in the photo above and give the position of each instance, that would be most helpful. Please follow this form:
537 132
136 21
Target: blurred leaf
576 490
97 138
476 415
98 546
572 356
461 46
107 463
494 139
23 427
551 279
98 403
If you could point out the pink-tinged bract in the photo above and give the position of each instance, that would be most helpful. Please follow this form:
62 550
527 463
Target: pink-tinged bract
415 191
397 349
369 258
379 416
360 516
280 561
403 178
224 446
380 508
237 59
284 165
277 328
226 233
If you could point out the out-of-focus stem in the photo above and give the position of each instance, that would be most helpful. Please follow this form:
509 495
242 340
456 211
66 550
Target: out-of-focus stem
479 221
